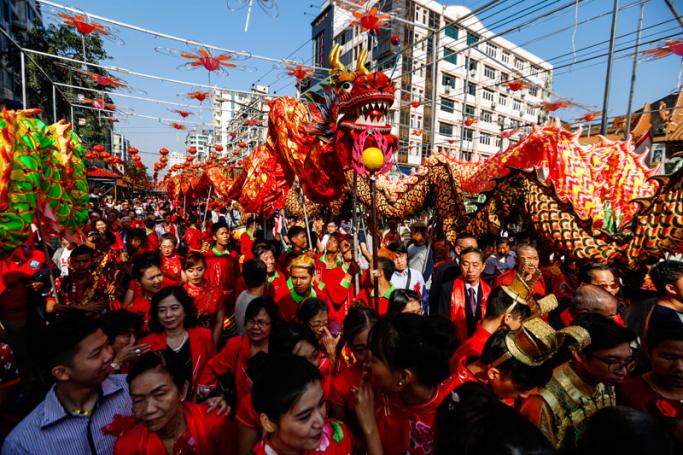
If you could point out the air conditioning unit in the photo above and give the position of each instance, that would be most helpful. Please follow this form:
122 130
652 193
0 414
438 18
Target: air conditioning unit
473 73
493 105
447 91
521 113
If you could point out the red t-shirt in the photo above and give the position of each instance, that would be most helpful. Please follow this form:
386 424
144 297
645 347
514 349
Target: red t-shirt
472 347
222 271
367 296
336 440
13 276
636 393
408 429
246 242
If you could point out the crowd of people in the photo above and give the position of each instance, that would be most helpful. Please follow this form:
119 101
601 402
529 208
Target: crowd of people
171 331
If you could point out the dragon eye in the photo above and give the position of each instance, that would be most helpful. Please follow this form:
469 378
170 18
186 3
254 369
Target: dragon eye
346 86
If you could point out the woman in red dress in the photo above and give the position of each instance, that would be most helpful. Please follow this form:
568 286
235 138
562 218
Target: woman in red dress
410 365
164 422
171 264
313 313
209 300
148 280
288 397
186 349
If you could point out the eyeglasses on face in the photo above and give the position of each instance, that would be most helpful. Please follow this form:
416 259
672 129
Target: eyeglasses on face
257 323
615 365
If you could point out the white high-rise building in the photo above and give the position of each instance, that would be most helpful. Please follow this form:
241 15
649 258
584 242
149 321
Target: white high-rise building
463 108
240 117
175 158
200 139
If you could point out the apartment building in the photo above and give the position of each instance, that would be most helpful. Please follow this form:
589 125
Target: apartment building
455 103
200 139
240 117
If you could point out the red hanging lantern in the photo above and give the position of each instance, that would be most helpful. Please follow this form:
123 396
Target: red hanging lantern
89 155
163 151
98 148
235 152
132 150
213 156
189 158
192 150
242 144
233 134
218 148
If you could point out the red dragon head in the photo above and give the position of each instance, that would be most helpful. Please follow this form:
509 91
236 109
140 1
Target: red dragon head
363 102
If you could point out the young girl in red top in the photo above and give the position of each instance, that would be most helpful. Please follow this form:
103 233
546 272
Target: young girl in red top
209 300
410 370
353 355
171 264
165 423
186 348
289 399
148 279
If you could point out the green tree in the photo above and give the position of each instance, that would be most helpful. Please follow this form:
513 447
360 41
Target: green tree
62 40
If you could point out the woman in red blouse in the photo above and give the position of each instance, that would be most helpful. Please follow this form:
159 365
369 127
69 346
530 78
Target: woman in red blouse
313 313
209 300
186 348
288 397
171 264
353 351
164 422
410 366
259 318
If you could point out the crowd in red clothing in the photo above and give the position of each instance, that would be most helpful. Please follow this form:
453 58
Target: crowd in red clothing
240 340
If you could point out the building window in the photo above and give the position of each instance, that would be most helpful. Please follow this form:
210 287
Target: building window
533 91
472 38
319 49
488 95
489 72
452 31
472 65
501 121
506 57
491 50
486 116
499 142
502 100
467 135
447 105
450 55
519 64
530 110
516 105
485 139
504 76
412 121
469 110
445 129
471 89
448 81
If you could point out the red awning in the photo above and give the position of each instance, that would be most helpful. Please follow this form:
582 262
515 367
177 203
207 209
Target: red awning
98 172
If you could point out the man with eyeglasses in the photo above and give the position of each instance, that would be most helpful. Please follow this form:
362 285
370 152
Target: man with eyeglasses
585 384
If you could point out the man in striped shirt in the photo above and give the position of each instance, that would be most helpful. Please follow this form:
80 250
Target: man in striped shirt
85 398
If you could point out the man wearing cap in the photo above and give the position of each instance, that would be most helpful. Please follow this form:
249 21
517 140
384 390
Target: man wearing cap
419 258
585 384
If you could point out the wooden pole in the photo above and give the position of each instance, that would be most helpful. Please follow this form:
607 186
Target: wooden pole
375 239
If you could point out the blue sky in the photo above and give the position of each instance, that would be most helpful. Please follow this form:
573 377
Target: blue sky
212 22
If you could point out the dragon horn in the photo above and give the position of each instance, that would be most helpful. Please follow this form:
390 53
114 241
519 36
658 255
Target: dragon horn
360 64
333 60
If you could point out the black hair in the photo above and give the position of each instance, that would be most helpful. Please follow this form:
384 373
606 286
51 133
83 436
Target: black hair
168 236
397 248
604 332
251 221
294 231
145 261
663 331
285 337
586 272
525 376
409 341
309 308
254 272
666 272
466 235
192 259
58 343
387 267
183 298
400 298
155 361
620 429
138 233
499 302
261 246
471 249
279 382
82 250
107 239
359 318
262 303
216 226
150 223
120 322
473 421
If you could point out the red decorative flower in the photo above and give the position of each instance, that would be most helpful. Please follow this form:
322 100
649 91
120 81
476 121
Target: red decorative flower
666 408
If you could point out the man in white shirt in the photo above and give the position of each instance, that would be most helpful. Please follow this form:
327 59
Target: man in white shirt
501 261
405 277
